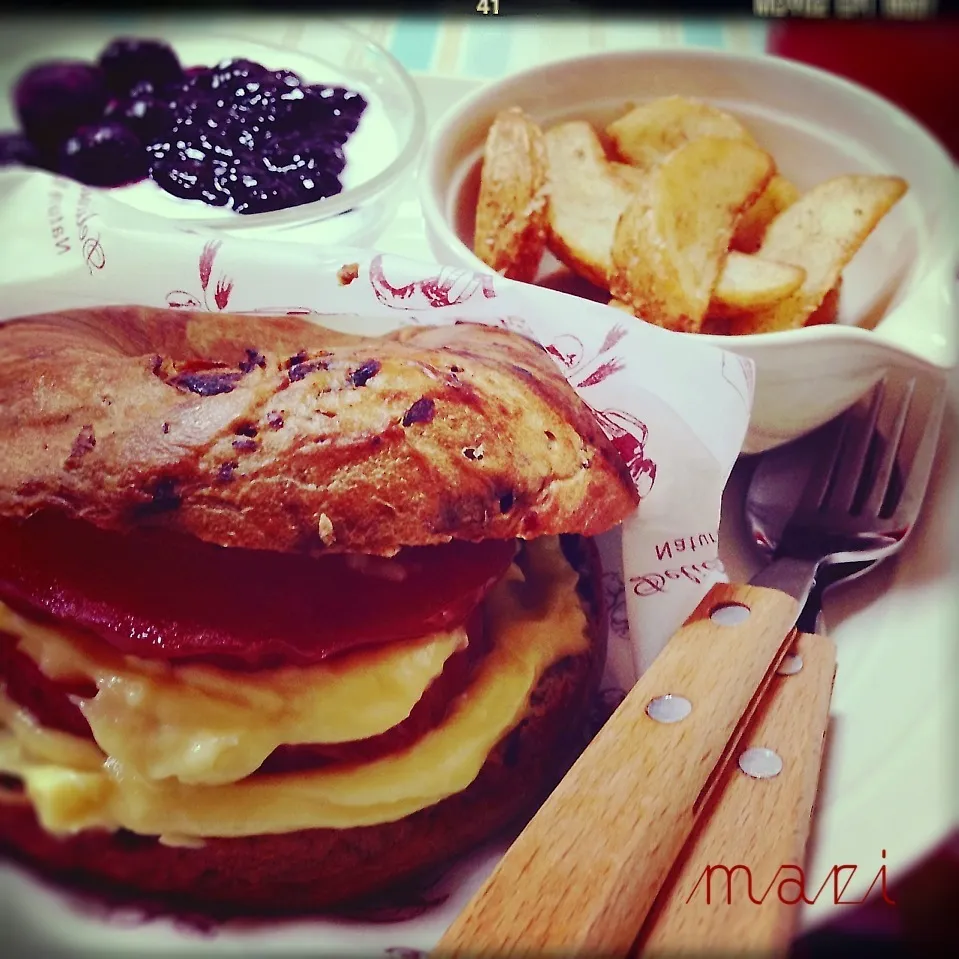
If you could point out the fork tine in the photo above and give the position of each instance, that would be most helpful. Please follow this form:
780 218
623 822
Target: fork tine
880 485
855 452
817 484
916 482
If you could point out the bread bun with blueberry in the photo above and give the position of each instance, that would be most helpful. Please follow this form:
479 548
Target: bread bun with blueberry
287 616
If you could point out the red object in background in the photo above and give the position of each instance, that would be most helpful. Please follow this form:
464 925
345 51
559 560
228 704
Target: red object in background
915 65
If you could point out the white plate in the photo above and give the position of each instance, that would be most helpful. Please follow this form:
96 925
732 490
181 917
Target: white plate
885 790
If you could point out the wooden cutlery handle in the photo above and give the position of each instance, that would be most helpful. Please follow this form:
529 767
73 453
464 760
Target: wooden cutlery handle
582 876
734 890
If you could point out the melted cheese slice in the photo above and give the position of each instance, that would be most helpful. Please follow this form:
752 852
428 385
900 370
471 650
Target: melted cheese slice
202 725
533 621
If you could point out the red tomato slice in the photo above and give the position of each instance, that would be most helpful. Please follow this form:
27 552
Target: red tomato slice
165 596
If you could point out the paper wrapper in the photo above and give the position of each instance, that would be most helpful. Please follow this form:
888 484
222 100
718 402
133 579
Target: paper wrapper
676 409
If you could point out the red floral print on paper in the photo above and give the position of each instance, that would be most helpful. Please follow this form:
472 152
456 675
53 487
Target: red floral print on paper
206 261
581 371
629 437
602 372
221 290
181 300
567 349
451 286
628 434
224 288
612 338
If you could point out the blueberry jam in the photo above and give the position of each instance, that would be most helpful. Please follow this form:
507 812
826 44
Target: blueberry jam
235 135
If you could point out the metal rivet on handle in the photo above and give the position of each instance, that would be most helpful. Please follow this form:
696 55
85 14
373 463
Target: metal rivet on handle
790 665
729 614
761 763
669 708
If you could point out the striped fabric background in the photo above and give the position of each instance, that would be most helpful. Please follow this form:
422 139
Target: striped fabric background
486 47
472 46
469 47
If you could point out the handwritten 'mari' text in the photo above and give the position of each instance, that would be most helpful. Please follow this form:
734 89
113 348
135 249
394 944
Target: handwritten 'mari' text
790 884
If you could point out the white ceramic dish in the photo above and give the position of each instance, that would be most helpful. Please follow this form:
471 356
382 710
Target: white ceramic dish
898 298
381 155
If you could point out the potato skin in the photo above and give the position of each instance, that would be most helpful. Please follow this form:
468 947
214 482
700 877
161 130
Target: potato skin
511 212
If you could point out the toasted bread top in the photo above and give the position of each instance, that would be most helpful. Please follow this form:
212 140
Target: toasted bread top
278 434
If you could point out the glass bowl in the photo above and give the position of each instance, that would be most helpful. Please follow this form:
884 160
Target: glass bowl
382 154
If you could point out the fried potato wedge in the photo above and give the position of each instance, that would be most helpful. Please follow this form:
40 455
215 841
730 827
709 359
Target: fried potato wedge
740 322
587 197
632 176
751 228
511 212
647 134
821 232
828 310
671 241
751 282
746 283
620 305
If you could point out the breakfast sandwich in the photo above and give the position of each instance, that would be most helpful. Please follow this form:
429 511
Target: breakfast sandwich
287 616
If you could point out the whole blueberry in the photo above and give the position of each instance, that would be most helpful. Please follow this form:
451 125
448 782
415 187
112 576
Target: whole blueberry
104 154
141 111
127 61
54 98
17 150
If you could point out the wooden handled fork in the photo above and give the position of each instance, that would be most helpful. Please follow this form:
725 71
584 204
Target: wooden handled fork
583 875
737 885
587 871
